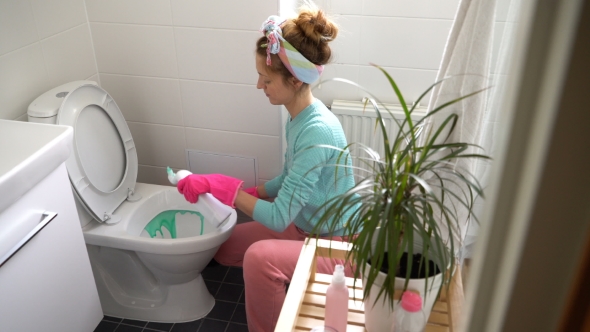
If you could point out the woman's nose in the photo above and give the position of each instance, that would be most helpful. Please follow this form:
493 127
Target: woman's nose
259 84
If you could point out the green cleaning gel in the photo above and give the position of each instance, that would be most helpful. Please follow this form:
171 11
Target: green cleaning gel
167 219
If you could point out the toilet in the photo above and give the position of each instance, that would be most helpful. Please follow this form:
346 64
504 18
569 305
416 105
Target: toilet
147 245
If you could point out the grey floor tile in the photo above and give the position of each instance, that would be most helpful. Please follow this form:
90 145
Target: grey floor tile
212 286
233 327
215 273
222 310
210 325
243 297
229 292
165 327
239 315
134 322
235 275
128 328
112 319
187 327
106 326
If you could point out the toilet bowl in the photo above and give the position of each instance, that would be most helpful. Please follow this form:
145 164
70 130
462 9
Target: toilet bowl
147 245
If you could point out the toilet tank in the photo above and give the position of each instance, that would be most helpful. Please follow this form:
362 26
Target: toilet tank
45 107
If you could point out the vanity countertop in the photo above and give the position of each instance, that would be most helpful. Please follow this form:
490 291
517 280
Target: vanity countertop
28 153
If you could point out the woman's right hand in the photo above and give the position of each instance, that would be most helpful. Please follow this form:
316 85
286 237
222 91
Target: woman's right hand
252 191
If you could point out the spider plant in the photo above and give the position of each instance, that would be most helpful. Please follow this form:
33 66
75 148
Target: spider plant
410 193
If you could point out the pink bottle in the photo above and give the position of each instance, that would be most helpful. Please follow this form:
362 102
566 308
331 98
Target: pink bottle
337 301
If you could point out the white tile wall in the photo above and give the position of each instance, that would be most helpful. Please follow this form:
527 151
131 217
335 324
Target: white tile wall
144 50
69 55
346 46
146 99
152 174
266 148
42 44
406 43
229 107
55 16
341 7
154 12
416 8
183 72
329 90
94 78
222 14
159 145
23 77
411 82
17 25
216 55
23 117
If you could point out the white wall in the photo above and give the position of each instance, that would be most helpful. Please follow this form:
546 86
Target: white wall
43 44
183 73
407 38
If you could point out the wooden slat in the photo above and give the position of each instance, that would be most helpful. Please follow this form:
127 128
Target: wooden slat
326 279
309 310
354 318
436 328
297 288
455 299
438 318
307 323
316 288
320 300
440 307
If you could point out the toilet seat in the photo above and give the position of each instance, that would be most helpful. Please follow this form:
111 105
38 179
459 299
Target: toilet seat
103 166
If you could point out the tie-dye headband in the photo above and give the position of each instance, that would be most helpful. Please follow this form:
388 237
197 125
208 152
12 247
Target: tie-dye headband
303 69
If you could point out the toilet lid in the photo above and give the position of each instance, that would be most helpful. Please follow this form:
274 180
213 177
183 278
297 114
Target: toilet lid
103 167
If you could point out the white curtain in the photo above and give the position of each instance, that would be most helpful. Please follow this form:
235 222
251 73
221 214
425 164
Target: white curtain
465 68
476 57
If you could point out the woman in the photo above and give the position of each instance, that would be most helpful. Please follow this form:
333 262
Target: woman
289 57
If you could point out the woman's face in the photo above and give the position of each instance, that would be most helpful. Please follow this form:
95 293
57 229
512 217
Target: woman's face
273 85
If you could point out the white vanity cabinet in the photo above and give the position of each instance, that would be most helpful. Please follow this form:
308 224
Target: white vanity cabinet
46 282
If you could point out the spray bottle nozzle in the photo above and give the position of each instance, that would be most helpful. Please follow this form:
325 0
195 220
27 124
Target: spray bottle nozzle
171 175
338 276
175 177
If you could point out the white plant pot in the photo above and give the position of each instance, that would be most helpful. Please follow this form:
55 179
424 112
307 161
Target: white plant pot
379 317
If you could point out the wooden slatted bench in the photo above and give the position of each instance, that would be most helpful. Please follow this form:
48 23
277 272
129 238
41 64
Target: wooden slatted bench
304 306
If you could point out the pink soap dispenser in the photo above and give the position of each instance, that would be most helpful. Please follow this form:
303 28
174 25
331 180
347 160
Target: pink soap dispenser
337 301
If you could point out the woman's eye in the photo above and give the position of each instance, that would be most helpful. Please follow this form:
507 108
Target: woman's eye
266 82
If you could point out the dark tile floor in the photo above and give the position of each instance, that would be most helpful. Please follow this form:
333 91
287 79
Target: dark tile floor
226 284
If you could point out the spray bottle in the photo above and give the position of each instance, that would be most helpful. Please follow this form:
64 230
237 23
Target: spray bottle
175 177
337 301
221 212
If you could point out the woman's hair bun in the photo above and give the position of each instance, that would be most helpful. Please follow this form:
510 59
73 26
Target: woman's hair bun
310 32
316 25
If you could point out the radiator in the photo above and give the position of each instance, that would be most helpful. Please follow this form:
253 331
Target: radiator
359 124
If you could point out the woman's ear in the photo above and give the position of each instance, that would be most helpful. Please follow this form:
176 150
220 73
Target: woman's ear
295 82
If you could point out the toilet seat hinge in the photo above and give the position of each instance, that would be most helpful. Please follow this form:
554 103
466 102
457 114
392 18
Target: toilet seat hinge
110 219
132 196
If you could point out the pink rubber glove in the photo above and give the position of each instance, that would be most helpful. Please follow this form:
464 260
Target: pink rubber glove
252 191
224 188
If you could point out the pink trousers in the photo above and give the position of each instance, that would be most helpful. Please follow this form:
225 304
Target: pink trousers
268 259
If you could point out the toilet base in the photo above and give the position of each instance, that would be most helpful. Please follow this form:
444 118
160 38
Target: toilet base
183 303
127 289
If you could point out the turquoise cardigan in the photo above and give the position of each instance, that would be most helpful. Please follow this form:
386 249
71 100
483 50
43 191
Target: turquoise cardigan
309 175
